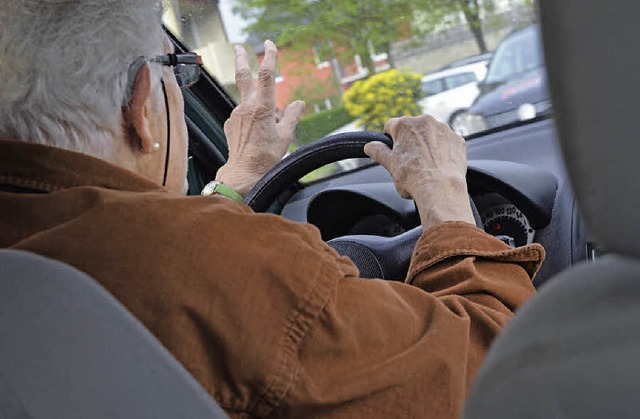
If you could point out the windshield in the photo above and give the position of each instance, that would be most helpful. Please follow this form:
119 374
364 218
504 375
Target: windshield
357 63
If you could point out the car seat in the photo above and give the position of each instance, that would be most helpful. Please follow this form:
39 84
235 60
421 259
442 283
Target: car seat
573 351
68 349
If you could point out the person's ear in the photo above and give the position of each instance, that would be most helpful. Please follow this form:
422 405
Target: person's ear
140 113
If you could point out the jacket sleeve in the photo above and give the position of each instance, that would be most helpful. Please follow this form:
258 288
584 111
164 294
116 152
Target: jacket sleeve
389 349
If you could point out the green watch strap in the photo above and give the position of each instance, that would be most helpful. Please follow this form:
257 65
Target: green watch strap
217 187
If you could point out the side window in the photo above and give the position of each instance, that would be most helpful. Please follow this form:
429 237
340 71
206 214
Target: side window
460 79
432 87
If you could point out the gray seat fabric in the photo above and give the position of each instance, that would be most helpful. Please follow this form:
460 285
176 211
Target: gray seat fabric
574 350
68 349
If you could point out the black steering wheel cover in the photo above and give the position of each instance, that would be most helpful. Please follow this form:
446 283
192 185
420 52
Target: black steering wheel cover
330 149
375 256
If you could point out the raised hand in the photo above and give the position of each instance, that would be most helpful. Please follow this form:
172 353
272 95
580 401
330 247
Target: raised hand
257 138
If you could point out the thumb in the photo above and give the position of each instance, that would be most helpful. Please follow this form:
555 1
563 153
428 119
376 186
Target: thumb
379 152
290 118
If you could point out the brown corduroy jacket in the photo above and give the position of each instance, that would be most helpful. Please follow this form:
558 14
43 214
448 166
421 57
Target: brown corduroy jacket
267 317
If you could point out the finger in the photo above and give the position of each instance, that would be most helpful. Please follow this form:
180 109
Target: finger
244 80
290 118
390 127
267 75
379 152
227 128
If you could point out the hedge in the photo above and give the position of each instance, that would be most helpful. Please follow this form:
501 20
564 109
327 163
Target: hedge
382 96
319 124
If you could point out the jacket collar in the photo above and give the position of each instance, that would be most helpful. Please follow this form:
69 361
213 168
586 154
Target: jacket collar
46 169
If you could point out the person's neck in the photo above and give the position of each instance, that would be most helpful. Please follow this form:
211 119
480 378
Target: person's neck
131 157
123 151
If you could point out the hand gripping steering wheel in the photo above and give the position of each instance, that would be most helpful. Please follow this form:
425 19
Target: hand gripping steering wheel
375 256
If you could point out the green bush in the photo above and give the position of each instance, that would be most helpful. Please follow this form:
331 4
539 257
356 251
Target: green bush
382 96
319 124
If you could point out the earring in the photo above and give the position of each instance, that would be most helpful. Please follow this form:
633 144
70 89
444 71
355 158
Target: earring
155 146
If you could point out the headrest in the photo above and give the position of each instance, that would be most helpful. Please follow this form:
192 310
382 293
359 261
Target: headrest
592 60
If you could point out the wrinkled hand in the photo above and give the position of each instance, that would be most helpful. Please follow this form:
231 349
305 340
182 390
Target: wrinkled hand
257 138
428 163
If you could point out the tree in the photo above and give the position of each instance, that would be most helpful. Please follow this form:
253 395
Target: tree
336 27
333 27
474 11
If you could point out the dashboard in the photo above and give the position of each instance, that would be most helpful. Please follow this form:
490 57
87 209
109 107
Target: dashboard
516 180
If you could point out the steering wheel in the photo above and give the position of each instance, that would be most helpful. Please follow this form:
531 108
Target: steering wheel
375 256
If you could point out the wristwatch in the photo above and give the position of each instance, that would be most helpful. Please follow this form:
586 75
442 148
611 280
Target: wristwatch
217 187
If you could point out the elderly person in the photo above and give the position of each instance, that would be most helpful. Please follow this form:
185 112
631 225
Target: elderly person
270 320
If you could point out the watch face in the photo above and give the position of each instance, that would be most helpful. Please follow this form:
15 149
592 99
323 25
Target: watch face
210 188
217 187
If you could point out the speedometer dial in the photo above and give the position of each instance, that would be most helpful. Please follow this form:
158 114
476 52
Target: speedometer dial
507 220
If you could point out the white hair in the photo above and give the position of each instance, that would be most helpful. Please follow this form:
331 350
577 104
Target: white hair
64 68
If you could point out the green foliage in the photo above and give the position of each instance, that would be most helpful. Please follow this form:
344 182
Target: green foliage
332 26
317 125
382 96
342 28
